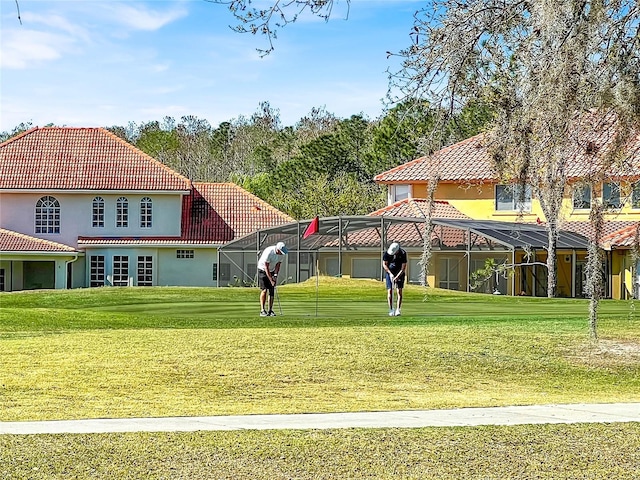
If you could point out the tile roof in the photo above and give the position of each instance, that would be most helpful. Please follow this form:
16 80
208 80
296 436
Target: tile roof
54 158
214 213
614 233
223 211
624 238
465 160
470 160
410 234
11 241
417 207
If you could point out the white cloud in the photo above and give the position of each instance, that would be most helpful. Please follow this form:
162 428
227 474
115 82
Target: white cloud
57 22
22 48
142 18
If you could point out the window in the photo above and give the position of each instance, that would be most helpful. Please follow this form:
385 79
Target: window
2 280
98 212
611 195
184 253
635 195
448 273
47 215
122 212
145 271
582 197
399 192
145 213
96 278
513 198
120 271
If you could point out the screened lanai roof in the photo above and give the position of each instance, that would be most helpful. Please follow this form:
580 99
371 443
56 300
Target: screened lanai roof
517 235
329 229
366 231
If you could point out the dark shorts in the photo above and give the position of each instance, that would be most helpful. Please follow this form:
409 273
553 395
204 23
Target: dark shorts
264 283
399 282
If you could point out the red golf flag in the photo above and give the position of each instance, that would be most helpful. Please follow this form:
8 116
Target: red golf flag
312 228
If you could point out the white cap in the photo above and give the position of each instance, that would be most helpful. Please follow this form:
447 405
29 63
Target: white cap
393 248
281 247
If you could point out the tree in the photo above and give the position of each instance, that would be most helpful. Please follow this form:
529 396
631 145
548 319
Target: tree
23 127
540 66
265 21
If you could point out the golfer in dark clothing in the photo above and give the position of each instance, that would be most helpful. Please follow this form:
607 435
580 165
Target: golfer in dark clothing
394 262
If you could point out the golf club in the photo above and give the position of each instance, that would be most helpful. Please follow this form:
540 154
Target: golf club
393 283
275 289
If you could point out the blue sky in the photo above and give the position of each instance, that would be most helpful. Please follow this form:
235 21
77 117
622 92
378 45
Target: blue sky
103 63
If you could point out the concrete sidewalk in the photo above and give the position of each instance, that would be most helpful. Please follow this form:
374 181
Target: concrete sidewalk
461 417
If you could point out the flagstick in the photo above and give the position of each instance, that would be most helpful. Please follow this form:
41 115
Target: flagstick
317 281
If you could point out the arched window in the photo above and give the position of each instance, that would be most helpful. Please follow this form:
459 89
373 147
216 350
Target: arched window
122 212
47 215
98 212
146 213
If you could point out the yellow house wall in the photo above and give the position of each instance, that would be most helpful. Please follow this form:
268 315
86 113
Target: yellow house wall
478 202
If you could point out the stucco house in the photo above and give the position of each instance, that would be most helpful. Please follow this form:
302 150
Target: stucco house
469 184
80 207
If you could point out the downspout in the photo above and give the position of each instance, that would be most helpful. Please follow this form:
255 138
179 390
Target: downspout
66 269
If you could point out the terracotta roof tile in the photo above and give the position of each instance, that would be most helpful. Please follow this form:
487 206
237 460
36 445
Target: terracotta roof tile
624 238
53 158
417 207
613 232
470 161
11 241
410 235
223 211
463 161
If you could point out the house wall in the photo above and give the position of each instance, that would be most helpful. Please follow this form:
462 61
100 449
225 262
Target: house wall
167 268
18 214
188 272
478 202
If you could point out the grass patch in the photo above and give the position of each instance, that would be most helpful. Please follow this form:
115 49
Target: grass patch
130 352
542 452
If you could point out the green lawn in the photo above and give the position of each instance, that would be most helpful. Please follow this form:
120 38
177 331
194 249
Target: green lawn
127 352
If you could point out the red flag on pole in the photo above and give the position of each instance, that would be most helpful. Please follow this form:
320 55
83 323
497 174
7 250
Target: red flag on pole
312 228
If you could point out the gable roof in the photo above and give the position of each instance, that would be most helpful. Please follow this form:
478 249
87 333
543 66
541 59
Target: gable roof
462 161
417 207
11 241
470 160
56 158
